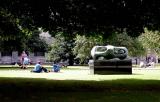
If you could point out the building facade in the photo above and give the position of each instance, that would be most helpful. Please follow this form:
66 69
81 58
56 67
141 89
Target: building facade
14 57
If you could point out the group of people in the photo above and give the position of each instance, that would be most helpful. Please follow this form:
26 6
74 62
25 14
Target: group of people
38 68
24 60
150 62
144 65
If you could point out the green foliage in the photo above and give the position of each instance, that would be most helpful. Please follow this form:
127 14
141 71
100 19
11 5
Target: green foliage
35 44
57 48
30 42
8 26
137 48
84 16
150 40
13 36
19 18
132 44
83 46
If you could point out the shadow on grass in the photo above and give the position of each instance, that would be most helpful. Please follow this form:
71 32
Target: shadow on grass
43 90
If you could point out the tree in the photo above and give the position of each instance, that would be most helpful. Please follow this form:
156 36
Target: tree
85 16
9 28
73 17
133 45
83 46
57 51
150 40
31 43
12 35
35 44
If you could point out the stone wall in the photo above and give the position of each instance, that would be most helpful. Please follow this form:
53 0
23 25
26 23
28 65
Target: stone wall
0 58
15 58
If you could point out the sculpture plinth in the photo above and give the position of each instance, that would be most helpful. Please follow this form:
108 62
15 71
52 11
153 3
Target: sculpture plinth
117 63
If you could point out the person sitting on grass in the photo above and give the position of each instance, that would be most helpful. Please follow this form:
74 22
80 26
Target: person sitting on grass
55 68
142 64
39 68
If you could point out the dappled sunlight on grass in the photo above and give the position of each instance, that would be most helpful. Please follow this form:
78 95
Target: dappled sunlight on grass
81 73
76 84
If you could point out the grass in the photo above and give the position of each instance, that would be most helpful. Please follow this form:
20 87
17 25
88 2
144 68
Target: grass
20 85
80 73
31 90
13 67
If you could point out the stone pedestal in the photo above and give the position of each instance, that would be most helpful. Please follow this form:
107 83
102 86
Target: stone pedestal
111 66
91 66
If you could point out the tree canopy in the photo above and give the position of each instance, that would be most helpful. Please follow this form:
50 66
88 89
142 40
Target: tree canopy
134 46
150 40
84 16
84 45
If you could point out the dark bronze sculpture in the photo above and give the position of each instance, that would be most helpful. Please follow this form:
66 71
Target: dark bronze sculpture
109 52
110 60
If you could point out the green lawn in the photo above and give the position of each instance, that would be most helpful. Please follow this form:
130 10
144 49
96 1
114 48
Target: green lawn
41 90
75 84
79 73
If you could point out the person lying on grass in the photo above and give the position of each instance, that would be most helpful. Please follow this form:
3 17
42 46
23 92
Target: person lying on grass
39 68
